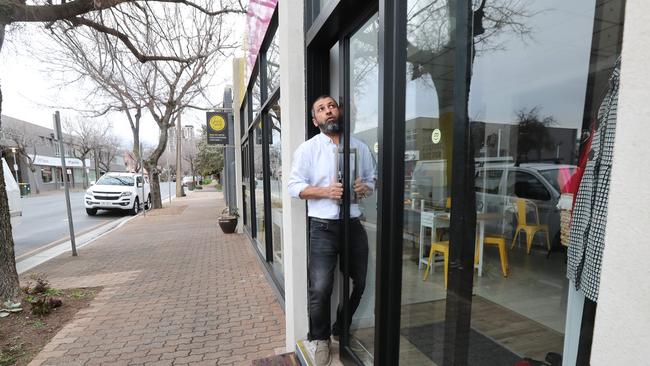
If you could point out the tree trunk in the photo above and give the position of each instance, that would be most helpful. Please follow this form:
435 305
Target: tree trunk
36 188
85 174
154 182
96 156
9 285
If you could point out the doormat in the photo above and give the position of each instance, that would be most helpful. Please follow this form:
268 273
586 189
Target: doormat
483 351
285 359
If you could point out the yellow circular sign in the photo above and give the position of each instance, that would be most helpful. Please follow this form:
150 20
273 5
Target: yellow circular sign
217 123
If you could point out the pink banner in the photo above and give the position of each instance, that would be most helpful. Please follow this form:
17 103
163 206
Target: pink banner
258 18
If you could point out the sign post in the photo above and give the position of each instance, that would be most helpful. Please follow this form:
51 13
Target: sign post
144 199
64 170
217 128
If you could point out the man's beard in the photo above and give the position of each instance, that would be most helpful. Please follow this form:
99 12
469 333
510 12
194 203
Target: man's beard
330 127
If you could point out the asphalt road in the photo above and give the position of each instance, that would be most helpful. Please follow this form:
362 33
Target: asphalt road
45 219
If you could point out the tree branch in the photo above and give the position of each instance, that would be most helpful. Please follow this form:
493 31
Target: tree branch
127 42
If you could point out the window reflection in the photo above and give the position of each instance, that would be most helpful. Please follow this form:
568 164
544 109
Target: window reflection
246 186
244 119
364 75
256 97
275 164
273 65
428 148
539 73
258 189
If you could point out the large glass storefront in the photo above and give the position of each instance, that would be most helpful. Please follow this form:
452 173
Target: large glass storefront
479 116
495 113
262 155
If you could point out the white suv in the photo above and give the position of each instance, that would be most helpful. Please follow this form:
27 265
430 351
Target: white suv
118 191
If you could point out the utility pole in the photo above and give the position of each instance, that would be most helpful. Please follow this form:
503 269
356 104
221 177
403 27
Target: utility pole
169 172
144 206
59 135
179 171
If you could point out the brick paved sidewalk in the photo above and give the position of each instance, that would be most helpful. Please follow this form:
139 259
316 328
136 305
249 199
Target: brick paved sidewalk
176 291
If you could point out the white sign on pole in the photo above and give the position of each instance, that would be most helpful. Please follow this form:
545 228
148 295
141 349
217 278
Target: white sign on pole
436 135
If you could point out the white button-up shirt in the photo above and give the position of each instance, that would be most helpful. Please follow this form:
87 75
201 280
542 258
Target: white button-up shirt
315 164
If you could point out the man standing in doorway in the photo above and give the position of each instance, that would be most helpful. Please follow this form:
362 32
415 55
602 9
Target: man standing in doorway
316 176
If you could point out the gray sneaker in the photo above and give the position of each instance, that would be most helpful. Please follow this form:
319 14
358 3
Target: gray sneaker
322 355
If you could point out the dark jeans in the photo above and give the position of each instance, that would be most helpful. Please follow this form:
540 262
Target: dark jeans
325 245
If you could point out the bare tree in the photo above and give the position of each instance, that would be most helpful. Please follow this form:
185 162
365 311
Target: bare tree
431 43
107 151
94 57
85 137
164 88
25 144
79 13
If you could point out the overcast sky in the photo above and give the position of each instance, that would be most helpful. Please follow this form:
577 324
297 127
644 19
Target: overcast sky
32 93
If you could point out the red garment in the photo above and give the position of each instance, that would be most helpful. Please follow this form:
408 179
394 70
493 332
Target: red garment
574 182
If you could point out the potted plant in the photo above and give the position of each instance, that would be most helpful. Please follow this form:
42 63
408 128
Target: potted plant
228 220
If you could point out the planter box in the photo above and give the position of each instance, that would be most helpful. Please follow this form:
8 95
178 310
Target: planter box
228 225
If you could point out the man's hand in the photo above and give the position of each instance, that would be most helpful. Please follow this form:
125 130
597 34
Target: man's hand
361 189
334 191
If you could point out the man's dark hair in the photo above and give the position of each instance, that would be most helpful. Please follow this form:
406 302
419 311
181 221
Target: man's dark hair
324 96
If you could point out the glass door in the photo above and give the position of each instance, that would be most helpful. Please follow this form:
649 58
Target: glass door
428 144
361 142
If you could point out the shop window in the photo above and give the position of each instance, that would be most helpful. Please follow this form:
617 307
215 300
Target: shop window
246 186
539 74
273 65
428 124
364 140
243 118
256 97
46 174
258 190
275 165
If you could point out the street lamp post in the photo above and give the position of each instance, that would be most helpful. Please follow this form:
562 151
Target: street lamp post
13 151
179 171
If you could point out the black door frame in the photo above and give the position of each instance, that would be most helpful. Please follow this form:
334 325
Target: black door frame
335 23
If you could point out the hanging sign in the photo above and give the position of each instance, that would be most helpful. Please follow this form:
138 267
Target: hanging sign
436 135
217 128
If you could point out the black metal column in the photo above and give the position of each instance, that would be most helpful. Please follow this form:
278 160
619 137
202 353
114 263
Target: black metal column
463 200
392 99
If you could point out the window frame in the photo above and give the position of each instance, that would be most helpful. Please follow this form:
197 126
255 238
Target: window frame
249 123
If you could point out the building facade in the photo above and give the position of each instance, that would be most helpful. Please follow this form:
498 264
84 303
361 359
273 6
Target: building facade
485 118
40 144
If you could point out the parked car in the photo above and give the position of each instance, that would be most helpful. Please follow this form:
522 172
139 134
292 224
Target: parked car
13 194
118 191
498 187
186 180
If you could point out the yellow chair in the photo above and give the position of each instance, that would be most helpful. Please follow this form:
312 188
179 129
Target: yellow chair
438 247
530 229
500 242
